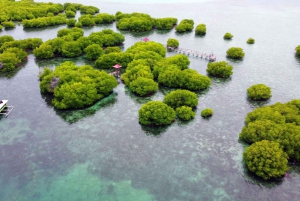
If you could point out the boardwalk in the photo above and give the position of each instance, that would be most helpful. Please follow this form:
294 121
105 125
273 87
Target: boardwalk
198 54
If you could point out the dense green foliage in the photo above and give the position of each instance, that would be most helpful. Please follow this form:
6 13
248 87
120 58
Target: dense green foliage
24 44
235 53
71 22
136 22
200 29
106 61
228 36
104 18
165 23
71 49
70 13
143 86
9 61
185 25
112 49
172 42
180 98
93 52
5 38
45 21
172 76
259 92
147 46
250 41
297 50
89 10
207 112
8 25
76 86
87 20
279 123
156 113
185 113
266 159
136 72
1 28
14 51
24 10
219 69
72 43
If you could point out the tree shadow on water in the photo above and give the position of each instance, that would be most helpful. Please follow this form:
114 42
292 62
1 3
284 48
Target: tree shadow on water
256 104
12 73
253 179
74 115
136 98
155 131
219 81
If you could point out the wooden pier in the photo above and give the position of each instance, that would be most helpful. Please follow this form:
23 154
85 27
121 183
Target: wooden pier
209 56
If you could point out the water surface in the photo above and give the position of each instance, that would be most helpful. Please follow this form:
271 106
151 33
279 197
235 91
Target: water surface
103 153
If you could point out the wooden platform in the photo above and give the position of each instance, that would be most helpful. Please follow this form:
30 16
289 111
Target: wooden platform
4 109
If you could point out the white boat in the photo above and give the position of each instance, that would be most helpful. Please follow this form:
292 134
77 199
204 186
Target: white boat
4 109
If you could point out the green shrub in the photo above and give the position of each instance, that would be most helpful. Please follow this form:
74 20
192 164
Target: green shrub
9 61
200 29
1 28
78 24
89 10
107 37
172 42
86 20
235 53
180 98
5 38
21 54
8 25
44 52
207 112
185 113
261 130
104 18
259 92
148 46
136 72
250 41
228 36
106 61
70 13
136 22
219 69
109 50
297 50
185 25
278 122
93 52
71 49
194 81
156 113
76 86
44 21
71 22
165 23
266 159
143 86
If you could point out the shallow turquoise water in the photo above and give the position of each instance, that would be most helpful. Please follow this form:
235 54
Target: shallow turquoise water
102 153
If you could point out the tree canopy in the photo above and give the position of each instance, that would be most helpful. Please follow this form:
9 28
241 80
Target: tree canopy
156 113
76 86
266 159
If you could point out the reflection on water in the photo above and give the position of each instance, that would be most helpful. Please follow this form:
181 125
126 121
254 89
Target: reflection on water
103 153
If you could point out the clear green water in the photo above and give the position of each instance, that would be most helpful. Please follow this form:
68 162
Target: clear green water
102 153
